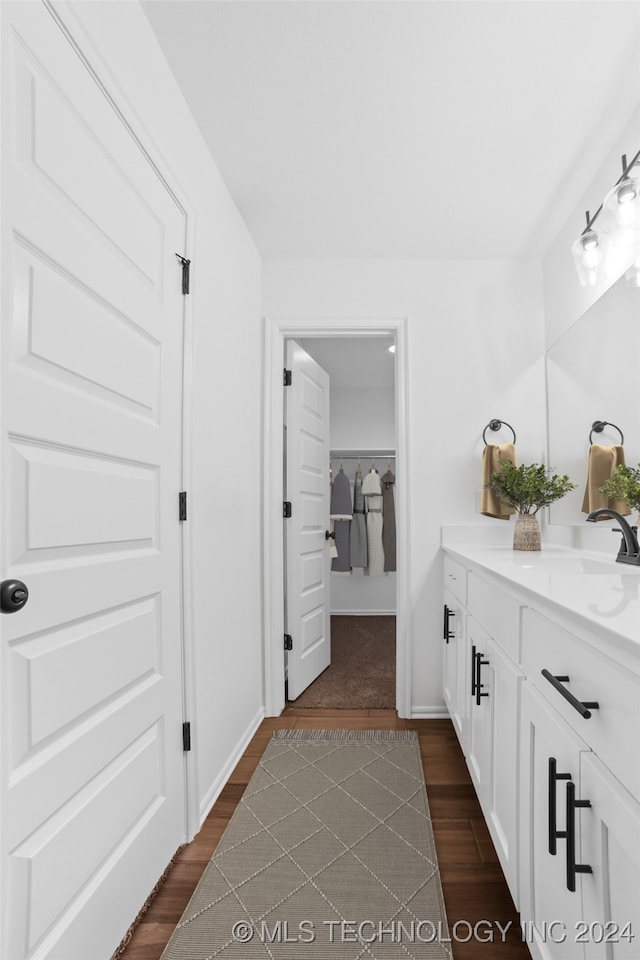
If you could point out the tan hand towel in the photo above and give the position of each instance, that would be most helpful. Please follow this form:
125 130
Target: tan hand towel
490 503
602 463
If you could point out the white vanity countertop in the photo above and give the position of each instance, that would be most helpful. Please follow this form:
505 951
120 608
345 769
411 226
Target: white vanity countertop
589 586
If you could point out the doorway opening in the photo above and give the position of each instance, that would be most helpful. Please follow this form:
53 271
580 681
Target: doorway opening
376 597
359 559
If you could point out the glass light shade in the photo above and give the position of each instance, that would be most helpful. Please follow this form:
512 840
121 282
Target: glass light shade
621 210
589 256
632 275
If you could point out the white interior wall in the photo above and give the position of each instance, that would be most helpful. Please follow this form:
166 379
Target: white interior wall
226 424
363 418
475 345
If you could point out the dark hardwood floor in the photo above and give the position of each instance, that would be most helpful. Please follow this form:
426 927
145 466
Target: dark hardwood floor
473 883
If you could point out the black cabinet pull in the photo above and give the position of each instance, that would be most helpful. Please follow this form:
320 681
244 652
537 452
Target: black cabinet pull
473 670
447 634
480 662
572 867
584 708
554 833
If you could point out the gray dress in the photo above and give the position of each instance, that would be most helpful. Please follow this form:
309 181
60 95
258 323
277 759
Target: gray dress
388 522
358 526
341 511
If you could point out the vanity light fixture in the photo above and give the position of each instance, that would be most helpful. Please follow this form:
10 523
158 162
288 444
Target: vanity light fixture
589 254
632 275
619 226
621 206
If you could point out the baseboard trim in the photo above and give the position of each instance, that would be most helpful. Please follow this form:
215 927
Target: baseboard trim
429 713
215 789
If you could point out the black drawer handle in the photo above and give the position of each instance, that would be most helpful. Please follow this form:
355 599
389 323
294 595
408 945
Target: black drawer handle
572 867
480 661
473 670
447 634
554 833
584 708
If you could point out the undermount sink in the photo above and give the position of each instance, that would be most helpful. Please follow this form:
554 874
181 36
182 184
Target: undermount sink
581 565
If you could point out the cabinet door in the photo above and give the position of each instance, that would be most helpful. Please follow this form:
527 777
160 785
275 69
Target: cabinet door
454 640
479 738
550 913
501 678
463 680
609 843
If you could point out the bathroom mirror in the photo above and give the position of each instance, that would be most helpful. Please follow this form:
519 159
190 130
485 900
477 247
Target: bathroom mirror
593 373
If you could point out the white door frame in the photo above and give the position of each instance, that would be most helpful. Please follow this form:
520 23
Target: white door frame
276 332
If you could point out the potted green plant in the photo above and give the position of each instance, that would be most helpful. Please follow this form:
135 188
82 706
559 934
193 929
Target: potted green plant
624 485
527 489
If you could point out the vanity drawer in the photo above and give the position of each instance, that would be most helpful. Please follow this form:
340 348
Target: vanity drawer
613 729
498 612
455 579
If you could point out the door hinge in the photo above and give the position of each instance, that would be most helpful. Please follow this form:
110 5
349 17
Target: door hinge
186 736
287 377
182 505
186 272
288 641
286 509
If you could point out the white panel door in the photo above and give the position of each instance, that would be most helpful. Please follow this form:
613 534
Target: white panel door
92 769
307 559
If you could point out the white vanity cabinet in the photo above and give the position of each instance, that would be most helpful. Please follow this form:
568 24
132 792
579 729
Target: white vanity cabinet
455 646
579 763
555 755
480 684
492 739
550 758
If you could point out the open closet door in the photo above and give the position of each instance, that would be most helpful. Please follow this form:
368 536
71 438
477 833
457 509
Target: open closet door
307 560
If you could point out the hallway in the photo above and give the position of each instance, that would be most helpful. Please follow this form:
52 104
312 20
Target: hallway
472 880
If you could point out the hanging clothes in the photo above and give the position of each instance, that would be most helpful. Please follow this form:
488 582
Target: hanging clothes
341 514
372 492
358 526
388 522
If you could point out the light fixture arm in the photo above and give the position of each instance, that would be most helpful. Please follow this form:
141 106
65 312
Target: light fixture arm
626 167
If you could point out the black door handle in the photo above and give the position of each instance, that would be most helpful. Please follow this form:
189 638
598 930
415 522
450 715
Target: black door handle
572 867
13 595
473 670
329 535
554 833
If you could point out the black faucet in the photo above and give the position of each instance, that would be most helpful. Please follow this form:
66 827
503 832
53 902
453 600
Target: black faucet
629 551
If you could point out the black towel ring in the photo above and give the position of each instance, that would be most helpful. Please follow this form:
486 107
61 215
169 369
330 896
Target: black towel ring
598 426
495 425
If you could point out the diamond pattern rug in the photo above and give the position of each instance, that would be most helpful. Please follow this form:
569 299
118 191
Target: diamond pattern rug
329 854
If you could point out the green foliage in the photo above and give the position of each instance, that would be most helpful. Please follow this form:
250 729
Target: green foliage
528 487
624 485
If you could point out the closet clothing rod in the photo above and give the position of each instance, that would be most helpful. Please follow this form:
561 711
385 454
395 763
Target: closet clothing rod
362 454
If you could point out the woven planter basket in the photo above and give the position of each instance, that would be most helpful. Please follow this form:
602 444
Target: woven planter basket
526 535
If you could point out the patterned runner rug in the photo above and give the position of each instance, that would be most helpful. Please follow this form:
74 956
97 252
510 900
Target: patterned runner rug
329 854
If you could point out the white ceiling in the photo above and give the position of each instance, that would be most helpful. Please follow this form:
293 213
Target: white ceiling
354 362
434 128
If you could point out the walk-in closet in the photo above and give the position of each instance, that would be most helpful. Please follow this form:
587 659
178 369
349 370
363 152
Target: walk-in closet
362 533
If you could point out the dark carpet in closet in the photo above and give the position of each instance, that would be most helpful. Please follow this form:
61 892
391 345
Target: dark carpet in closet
362 673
